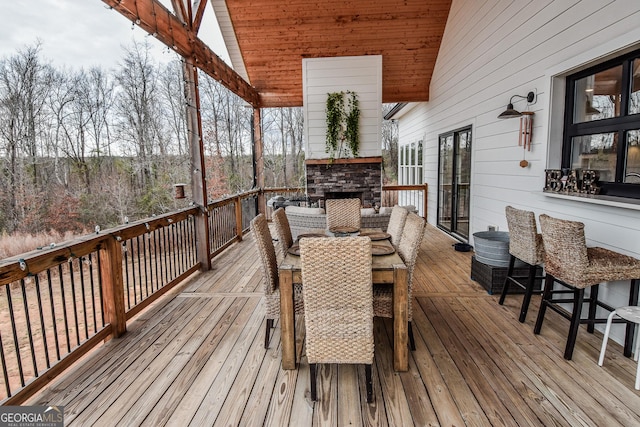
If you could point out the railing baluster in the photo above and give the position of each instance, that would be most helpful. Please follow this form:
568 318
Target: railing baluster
155 260
64 307
25 304
5 374
42 324
160 257
101 286
139 268
93 294
182 236
167 253
75 304
145 259
16 344
53 314
125 254
84 297
173 251
133 273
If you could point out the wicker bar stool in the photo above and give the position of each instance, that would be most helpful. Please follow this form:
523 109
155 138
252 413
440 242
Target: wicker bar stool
571 264
396 224
343 213
338 303
526 245
260 229
408 248
283 231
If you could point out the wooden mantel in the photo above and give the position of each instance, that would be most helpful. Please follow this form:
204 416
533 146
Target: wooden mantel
344 161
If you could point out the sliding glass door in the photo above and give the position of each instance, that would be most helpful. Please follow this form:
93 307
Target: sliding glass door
454 181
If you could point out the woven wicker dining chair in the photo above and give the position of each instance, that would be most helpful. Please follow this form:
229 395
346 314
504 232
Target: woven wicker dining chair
260 229
343 213
338 314
525 244
408 249
283 231
571 264
396 224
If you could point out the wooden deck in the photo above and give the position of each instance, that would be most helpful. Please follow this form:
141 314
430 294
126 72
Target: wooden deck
197 358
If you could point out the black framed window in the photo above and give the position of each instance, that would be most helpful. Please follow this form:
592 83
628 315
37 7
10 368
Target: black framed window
602 124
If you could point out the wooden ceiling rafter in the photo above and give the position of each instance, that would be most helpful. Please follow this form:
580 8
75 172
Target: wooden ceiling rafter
154 18
197 19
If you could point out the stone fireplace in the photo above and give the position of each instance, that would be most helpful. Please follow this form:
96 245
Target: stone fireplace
359 177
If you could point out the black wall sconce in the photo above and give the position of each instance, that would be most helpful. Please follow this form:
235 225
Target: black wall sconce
510 112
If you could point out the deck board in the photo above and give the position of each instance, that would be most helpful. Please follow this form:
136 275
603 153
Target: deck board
196 357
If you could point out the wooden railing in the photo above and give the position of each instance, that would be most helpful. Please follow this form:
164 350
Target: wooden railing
405 195
295 193
60 301
392 195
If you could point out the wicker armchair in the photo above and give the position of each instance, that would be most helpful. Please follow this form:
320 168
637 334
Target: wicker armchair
571 264
408 248
396 224
338 303
343 213
526 245
283 231
260 229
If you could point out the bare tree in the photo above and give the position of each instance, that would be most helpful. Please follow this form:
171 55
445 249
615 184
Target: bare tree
136 103
25 82
390 146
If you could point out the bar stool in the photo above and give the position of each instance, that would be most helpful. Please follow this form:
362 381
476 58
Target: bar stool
526 245
571 264
630 314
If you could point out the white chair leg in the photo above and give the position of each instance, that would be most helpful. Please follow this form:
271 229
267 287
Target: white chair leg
636 358
605 338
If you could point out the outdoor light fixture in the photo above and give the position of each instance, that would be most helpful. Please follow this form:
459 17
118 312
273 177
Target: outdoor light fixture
510 112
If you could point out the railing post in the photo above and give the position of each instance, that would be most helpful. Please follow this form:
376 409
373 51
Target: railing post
239 218
424 199
113 286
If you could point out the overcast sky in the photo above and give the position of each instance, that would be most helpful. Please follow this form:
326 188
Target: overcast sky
82 33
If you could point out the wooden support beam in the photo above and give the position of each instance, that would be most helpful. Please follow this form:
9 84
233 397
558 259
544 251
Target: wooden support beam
158 21
259 159
198 170
197 18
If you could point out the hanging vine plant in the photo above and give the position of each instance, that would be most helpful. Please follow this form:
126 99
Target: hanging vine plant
342 124
335 109
353 120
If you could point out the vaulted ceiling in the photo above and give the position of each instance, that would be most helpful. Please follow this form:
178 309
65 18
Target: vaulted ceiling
267 40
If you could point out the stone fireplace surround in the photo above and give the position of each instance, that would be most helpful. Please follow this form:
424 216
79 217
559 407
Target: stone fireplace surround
344 178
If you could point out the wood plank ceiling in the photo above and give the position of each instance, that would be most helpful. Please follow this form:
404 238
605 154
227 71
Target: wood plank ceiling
274 36
271 37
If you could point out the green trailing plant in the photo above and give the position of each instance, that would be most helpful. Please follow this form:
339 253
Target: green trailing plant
342 124
335 108
353 120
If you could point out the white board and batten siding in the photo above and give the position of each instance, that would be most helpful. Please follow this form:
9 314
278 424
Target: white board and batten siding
493 50
359 74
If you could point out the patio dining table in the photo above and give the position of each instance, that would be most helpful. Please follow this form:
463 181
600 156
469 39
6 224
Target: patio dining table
386 269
